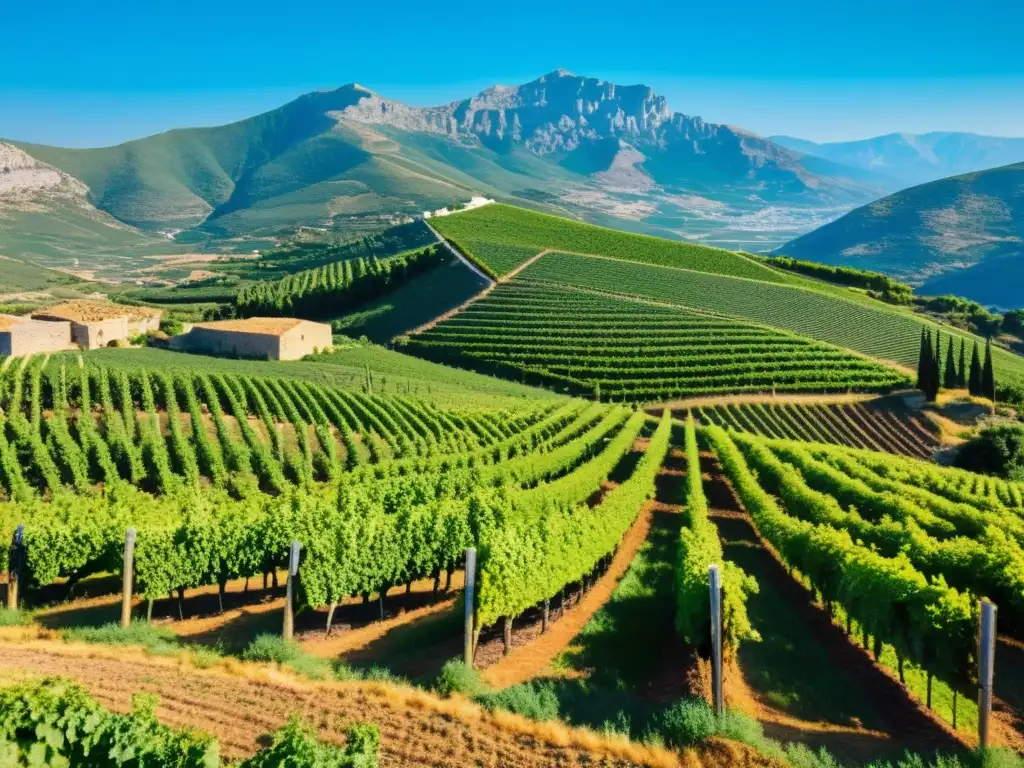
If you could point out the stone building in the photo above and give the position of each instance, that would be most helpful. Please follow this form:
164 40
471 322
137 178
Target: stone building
25 336
98 323
263 338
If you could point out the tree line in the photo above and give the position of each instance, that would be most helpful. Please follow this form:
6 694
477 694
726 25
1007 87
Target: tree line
935 372
335 288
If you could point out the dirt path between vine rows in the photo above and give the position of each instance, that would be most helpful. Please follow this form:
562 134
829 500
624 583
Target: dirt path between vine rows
238 703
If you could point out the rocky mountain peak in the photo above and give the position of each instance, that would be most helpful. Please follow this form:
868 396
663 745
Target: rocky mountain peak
557 112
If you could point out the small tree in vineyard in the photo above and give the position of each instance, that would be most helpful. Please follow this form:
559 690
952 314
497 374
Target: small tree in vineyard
949 374
922 363
961 374
974 380
988 374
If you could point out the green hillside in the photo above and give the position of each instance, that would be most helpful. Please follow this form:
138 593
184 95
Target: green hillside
18 276
869 327
349 160
700 278
412 304
59 233
502 237
962 235
621 349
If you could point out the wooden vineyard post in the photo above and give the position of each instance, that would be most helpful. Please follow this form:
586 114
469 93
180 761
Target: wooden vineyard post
127 576
15 567
470 602
289 593
715 579
986 668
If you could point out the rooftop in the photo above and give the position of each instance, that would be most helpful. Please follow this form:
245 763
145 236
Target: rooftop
272 326
86 311
9 321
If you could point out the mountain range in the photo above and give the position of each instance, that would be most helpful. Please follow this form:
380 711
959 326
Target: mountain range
354 161
962 235
906 159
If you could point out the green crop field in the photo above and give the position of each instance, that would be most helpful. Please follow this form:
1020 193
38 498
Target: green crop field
878 425
877 331
629 350
217 472
412 304
501 237
897 548
346 367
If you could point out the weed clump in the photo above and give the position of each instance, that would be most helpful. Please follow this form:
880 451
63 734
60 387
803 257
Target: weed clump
275 649
537 701
15 617
155 639
457 677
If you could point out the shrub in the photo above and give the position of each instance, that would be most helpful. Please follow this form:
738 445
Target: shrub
456 677
687 722
537 701
997 450
296 745
204 658
375 674
267 647
802 756
273 648
171 327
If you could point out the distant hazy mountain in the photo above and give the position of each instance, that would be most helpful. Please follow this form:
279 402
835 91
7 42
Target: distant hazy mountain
962 235
354 160
907 158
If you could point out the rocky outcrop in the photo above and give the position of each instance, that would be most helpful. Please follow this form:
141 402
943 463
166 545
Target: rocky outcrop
23 178
560 114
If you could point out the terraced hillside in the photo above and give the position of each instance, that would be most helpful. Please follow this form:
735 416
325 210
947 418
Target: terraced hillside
879 425
634 350
695 277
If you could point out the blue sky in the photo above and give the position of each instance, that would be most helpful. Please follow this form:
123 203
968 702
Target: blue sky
90 74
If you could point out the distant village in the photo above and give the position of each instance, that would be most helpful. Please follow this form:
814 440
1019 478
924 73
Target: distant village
92 324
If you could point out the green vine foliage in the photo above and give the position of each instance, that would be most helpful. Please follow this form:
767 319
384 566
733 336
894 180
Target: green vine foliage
56 724
364 529
926 621
699 547
975 552
533 547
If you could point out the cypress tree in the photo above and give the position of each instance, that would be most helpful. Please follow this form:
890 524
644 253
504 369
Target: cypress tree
988 374
961 375
974 381
933 380
949 374
922 363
